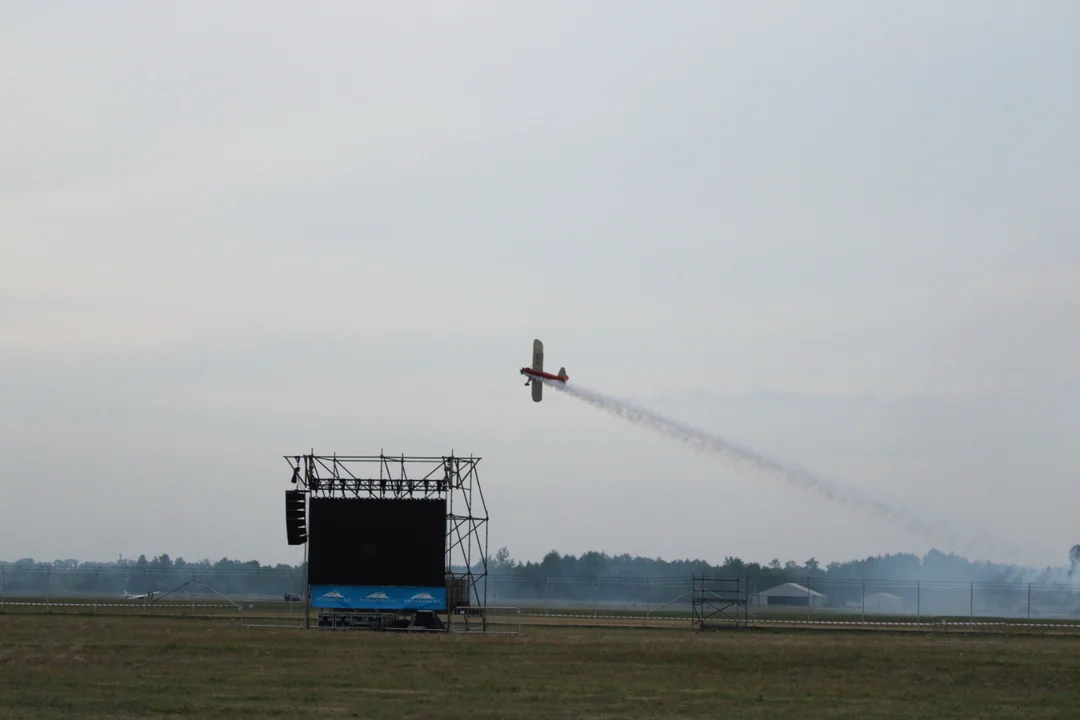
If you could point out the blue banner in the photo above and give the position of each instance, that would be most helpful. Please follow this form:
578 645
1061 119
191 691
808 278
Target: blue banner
372 597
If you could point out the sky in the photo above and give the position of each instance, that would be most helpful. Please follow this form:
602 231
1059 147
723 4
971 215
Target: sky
846 236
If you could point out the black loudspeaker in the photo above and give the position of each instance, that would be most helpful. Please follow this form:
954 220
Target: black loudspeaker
295 522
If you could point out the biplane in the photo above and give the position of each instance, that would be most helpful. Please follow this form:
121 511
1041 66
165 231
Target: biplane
536 372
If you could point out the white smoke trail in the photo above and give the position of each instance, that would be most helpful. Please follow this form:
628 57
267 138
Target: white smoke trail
748 459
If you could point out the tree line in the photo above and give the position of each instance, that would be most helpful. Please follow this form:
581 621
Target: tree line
934 566
161 573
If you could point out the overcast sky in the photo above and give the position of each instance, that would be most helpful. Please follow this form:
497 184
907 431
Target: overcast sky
845 235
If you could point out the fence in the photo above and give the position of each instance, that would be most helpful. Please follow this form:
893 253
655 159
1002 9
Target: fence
807 598
655 597
45 582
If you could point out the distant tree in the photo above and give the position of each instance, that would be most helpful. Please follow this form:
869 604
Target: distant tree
502 562
593 564
142 562
1074 559
811 564
551 563
733 566
774 564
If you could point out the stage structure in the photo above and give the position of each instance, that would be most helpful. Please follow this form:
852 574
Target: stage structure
391 541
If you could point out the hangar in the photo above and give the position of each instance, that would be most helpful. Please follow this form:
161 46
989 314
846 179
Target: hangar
884 602
789 594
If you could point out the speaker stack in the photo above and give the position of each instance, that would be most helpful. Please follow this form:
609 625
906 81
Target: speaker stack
295 522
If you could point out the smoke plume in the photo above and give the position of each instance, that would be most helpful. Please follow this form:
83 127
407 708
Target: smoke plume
760 464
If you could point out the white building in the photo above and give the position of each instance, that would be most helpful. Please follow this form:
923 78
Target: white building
790 594
884 603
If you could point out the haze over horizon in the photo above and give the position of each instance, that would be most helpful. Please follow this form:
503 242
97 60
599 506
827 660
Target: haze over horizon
847 238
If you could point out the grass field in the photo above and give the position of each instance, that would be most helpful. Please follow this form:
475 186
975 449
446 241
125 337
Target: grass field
134 667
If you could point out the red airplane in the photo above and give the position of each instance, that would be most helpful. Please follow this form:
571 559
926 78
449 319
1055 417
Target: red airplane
537 371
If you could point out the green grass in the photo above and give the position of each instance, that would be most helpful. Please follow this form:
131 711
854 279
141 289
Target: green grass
133 667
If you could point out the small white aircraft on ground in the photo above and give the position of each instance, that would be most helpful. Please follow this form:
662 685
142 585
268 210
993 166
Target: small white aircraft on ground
144 596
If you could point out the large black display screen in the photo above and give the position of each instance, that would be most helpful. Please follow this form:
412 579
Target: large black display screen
376 541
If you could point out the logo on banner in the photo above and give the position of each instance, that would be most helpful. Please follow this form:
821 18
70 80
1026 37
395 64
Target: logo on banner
387 598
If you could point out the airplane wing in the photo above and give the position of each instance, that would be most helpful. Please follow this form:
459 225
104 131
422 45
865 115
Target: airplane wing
538 365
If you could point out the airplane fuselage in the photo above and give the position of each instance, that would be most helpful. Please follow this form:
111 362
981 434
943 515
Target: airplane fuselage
541 374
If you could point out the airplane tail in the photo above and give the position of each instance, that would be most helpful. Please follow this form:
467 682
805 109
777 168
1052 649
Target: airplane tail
562 374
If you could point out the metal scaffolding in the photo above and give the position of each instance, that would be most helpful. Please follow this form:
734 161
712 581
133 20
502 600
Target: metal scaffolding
455 479
720 602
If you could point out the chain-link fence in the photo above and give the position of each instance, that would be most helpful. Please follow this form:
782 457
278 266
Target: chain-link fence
279 592
594 596
61 582
803 598
193 590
